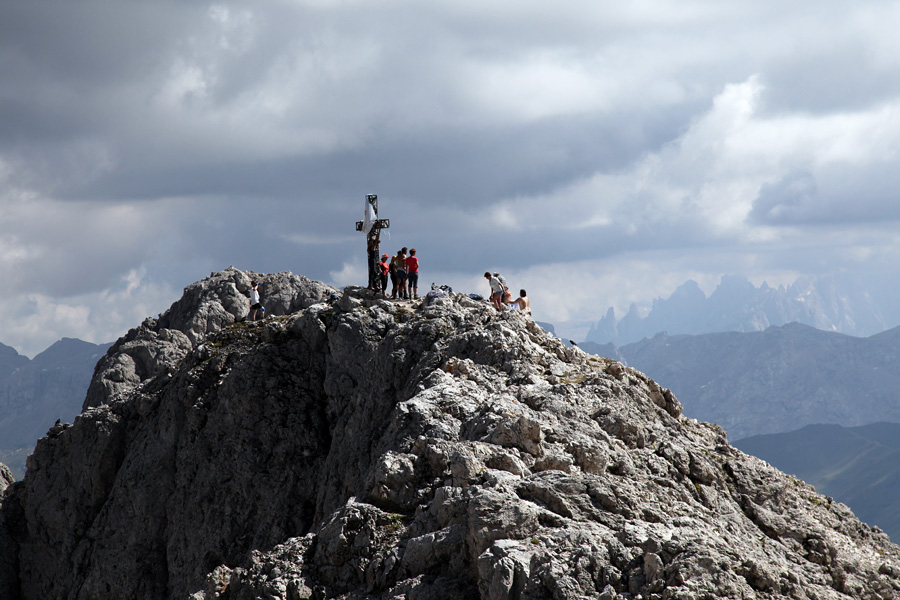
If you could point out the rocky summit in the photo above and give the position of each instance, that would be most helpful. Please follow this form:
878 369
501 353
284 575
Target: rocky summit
357 448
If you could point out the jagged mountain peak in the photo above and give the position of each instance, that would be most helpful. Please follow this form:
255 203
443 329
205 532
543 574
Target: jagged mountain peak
10 360
356 448
207 306
737 305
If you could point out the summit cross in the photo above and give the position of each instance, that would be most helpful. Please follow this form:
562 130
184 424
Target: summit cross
371 225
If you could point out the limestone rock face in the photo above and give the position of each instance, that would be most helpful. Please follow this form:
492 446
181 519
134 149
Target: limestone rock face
6 478
222 299
8 546
363 449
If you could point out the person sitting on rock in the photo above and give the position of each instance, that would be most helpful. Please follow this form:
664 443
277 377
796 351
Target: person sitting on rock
522 302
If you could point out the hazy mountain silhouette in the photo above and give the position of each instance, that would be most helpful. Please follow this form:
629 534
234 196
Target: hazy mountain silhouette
775 380
826 303
34 393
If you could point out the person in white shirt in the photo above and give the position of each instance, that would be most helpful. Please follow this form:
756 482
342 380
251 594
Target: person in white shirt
496 290
254 300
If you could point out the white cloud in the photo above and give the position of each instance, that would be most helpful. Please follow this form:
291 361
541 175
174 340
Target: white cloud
317 239
535 87
186 82
713 173
35 321
350 273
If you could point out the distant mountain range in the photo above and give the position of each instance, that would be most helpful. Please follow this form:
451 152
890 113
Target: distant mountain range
859 466
826 303
35 392
775 380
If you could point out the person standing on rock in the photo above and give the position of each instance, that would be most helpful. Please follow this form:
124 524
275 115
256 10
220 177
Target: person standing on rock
400 268
412 274
496 290
255 304
392 270
372 257
383 269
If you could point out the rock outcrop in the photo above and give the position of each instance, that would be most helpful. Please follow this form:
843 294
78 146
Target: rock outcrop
358 449
9 563
6 478
158 345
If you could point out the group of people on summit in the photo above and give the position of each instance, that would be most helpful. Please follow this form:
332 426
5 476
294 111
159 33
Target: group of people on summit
403 271
402 268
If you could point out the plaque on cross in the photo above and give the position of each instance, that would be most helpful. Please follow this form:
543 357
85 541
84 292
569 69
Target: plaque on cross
371 225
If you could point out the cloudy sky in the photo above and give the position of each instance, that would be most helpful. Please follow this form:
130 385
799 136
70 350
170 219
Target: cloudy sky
597 153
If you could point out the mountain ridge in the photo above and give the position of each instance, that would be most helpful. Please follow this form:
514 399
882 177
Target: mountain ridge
828 303
35 392
351 447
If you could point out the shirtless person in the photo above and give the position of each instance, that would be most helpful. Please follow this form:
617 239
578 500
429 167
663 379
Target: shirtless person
523 302
400 270
392 271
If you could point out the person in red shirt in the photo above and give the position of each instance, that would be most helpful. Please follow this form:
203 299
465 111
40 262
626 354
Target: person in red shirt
383 268
412 273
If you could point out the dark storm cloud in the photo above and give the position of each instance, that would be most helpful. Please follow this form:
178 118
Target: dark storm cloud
63 63
840 195
79 92
462 166
625 146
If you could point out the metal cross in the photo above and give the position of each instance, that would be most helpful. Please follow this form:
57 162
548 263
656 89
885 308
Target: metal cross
372 227
372 200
